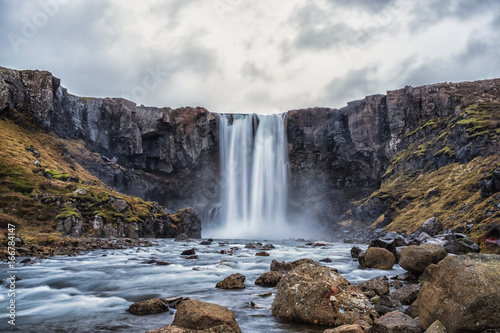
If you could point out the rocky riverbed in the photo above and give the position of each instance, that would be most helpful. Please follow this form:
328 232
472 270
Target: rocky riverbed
236 287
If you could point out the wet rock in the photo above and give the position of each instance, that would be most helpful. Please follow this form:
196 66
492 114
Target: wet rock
390 242
436 327
149 306
416 258
269 279
259 246
326 260
189 252
233 281
321 243
312 293
206 242
262 254
162 263
201 317
265 295
355 251
386 304
375 257
395 322
432 226
174 302
284 267
379 285
192 257
354 328
407 294
412 310
182 238
463 293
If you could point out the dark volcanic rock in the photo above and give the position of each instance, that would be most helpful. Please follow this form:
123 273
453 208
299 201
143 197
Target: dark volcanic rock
150 306
269 279
233 281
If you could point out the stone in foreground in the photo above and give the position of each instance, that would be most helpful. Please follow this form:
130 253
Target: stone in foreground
376 257
463 293
416 258
233 281
395 322
315 294
198 316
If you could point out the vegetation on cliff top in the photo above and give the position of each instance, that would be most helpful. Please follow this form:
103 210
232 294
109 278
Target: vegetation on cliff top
38 180
427 178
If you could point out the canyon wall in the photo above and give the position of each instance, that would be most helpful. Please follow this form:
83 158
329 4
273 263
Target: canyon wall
338 157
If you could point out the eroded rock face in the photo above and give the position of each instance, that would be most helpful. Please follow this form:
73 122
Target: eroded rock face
315 294
463 293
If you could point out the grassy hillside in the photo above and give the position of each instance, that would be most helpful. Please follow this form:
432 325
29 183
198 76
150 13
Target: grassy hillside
430 177
35 196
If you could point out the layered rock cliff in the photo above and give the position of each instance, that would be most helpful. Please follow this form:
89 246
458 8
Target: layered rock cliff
162 154
386 160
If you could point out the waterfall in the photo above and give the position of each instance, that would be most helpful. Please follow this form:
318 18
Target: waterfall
254 170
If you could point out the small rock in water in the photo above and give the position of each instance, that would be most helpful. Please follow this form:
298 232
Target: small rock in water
321 243
266 294
162 263
262 254
192 257
206 242
326 260
182 238
149 306
269 279
188 252
355 251
233 281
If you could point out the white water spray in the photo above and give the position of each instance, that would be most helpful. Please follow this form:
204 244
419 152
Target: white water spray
254 165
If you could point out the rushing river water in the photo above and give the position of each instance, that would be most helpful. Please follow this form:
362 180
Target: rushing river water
91 292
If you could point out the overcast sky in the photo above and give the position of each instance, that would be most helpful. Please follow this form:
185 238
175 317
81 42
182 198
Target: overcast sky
250 55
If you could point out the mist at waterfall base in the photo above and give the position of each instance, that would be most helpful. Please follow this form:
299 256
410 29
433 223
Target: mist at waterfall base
255 176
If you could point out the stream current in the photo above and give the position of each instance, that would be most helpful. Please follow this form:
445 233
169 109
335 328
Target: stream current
91 292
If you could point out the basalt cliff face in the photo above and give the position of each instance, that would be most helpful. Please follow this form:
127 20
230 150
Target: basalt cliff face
389 160
161 154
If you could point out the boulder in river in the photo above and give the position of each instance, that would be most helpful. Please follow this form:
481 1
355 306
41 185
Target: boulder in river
314 294
376 257
149 306
194 315
269 279
233 281
286 266
463 293
416 258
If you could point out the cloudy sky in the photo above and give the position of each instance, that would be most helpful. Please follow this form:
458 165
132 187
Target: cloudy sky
250 55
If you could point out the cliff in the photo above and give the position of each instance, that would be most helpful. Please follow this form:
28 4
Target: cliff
396 160
390 160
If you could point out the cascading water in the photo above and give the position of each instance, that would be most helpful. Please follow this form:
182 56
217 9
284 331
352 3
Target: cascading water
254 165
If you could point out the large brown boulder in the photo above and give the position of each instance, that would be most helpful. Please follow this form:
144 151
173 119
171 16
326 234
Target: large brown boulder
416 258
376 257
198 315
395 322
315 294
233 281
463 293
149 306
269 279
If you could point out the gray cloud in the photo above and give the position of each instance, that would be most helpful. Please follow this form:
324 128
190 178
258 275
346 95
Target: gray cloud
253 72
